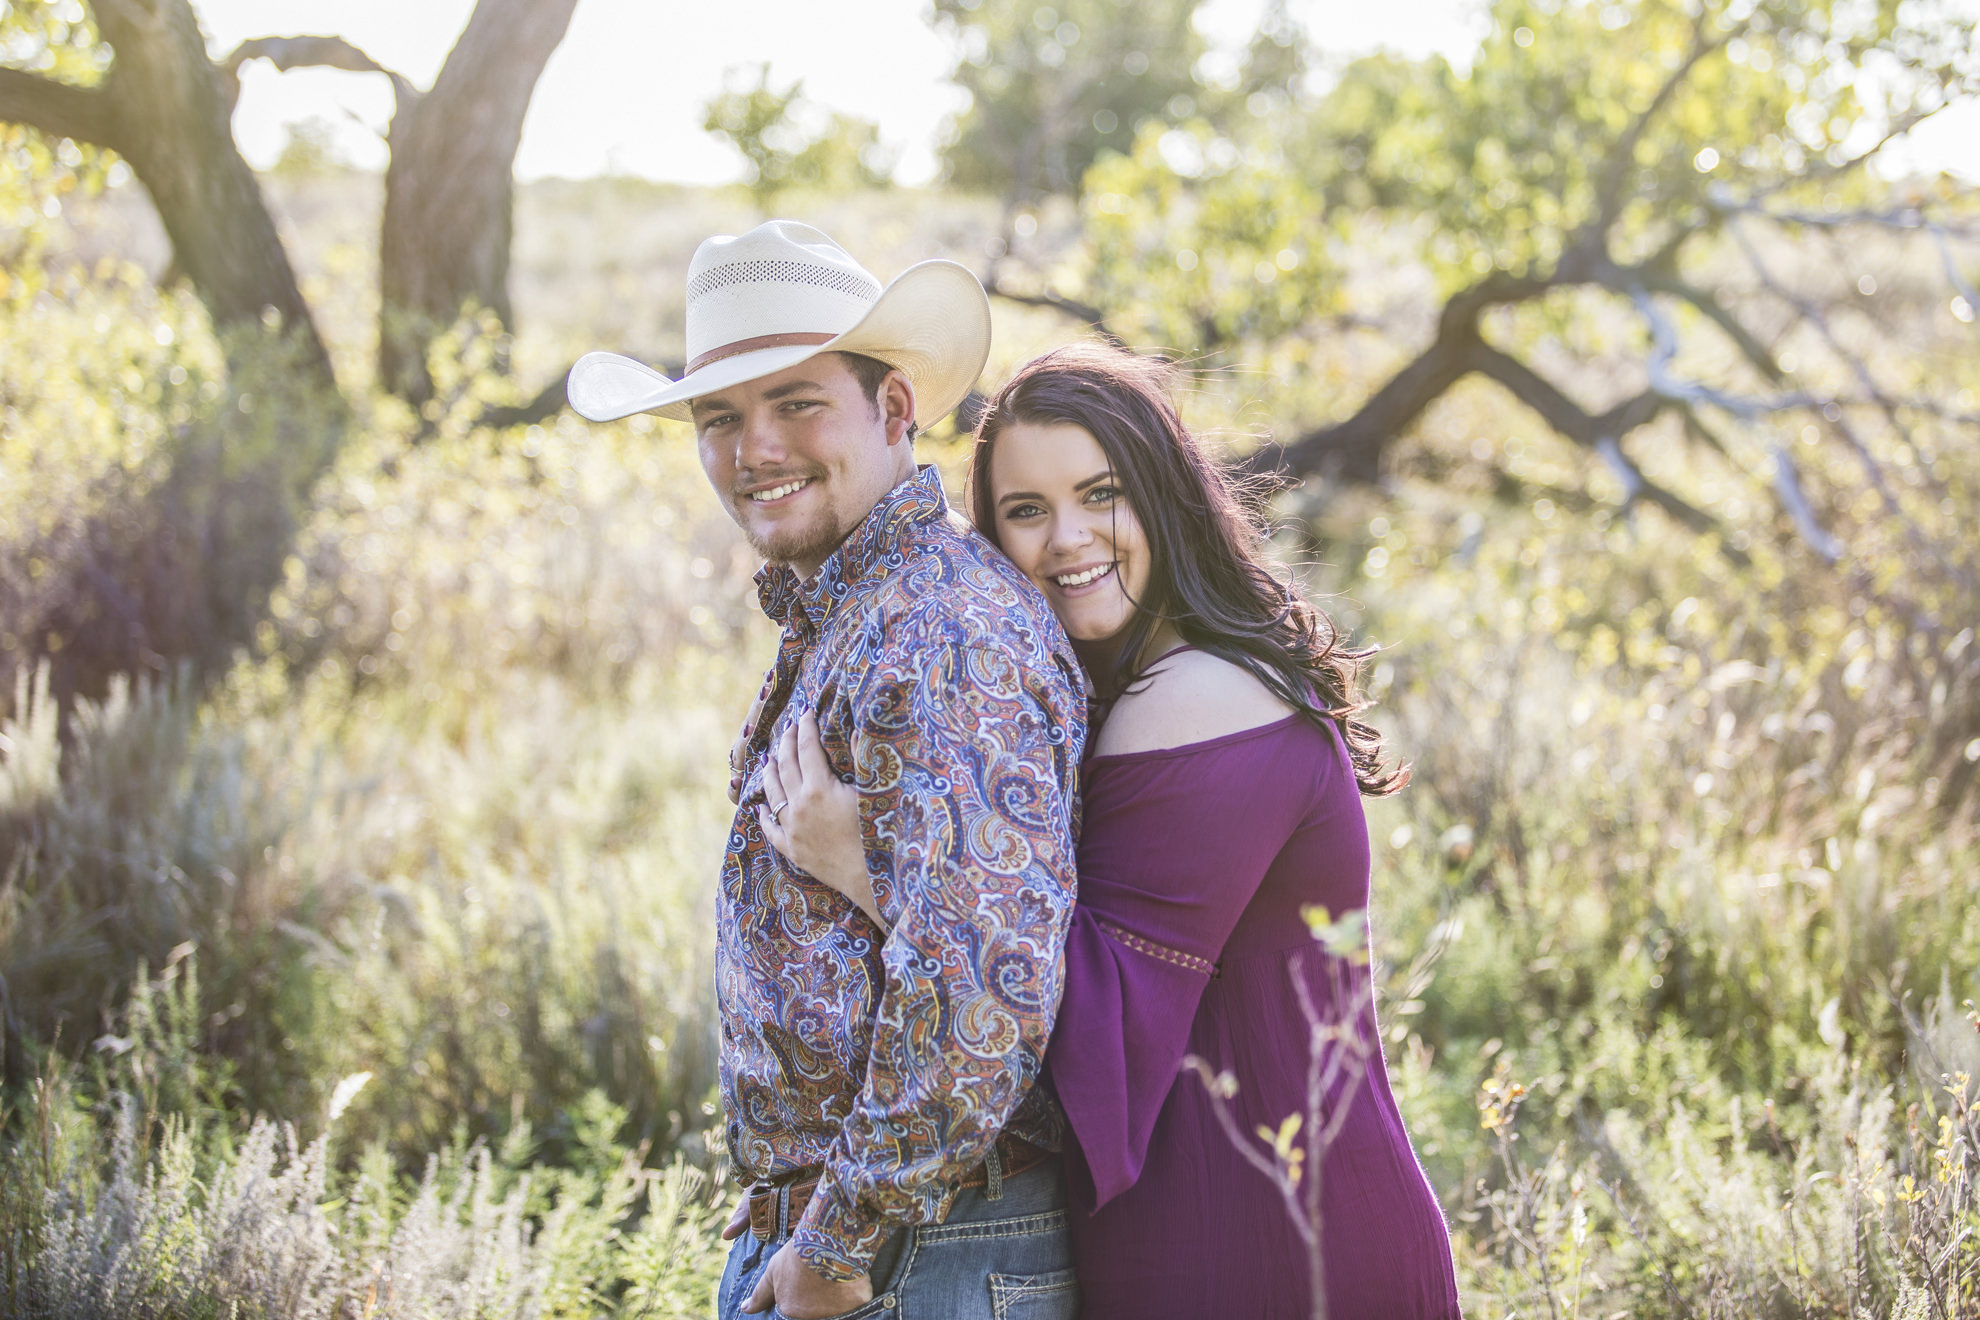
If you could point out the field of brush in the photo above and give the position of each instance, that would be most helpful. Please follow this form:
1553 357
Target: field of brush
374 979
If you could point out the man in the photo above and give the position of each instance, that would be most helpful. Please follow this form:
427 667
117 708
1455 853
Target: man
880 1088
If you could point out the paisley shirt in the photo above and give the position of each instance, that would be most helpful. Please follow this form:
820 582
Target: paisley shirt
945 688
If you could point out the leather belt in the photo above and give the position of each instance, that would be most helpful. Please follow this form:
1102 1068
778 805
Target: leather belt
775 1208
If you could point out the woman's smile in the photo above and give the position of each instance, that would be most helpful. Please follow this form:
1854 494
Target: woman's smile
1078 581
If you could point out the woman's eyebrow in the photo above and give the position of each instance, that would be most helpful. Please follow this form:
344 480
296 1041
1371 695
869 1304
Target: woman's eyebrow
1078 486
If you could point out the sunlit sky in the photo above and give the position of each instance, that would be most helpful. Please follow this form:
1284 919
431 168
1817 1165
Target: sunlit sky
624 92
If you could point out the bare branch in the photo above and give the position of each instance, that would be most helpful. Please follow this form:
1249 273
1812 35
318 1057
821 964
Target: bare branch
1691 516
59 109
1619 463
1718 314
549 401
552 399
1905 217
1560 412
1663 352
1058 302
1351 450
1696 428
1623 156
1638 487
1787 484
287 53
1897 128
1814 316
1603 433
1953 274
1238 1137
1785 477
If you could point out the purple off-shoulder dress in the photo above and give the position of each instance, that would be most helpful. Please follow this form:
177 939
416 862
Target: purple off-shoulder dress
1194 863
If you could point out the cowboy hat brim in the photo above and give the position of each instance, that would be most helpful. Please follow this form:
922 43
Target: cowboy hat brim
932 324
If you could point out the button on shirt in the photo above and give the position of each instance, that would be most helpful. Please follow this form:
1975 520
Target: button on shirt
946 690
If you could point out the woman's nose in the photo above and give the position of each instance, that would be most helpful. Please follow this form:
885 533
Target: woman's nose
1069 532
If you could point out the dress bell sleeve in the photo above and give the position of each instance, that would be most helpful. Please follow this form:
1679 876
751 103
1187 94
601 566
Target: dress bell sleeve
1174 849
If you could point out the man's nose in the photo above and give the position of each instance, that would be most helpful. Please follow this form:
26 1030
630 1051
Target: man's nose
758 443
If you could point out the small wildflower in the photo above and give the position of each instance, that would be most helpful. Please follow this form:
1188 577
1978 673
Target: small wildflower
1292 1157
1345 938
1499 1099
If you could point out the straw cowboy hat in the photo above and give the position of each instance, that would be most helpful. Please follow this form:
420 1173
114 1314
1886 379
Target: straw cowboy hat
784 292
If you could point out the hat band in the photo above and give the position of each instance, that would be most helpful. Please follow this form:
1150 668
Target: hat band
795 338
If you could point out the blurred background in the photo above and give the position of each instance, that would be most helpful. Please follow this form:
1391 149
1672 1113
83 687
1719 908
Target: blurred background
1614 367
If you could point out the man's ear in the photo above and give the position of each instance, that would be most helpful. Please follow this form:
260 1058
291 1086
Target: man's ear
897 407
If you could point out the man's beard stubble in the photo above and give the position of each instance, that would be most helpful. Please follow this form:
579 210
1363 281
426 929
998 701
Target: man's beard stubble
812 542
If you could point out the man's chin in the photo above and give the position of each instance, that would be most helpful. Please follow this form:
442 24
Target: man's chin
794 545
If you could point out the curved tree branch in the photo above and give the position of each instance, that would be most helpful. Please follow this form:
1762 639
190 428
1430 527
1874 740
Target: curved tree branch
1351 450
552 399
1079 311
1953 273
1709 306
1815 317
1560 412
1603 432
1787 485
59 109
287 53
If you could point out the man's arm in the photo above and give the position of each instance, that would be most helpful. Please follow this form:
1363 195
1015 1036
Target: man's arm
962 755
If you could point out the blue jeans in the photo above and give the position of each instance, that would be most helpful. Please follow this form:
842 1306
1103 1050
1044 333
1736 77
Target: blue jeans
1007 1259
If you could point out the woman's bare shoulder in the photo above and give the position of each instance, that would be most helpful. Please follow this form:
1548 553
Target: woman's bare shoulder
1194 696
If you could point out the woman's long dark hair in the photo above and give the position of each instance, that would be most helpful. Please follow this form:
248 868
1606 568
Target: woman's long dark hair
1207 572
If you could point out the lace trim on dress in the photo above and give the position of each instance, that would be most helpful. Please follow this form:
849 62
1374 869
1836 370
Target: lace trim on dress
1154 950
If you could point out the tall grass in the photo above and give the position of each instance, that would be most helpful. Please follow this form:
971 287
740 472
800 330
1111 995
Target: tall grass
154 1203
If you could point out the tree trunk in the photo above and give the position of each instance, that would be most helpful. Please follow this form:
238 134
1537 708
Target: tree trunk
170 122
450 187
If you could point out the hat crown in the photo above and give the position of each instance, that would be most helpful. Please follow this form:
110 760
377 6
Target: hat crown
782 277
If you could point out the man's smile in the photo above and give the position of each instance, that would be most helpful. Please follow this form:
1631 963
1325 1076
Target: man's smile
772 494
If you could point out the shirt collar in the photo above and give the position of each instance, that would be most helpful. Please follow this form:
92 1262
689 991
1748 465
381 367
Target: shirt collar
873 549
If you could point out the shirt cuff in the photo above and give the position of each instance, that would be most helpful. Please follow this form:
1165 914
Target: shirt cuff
834 1238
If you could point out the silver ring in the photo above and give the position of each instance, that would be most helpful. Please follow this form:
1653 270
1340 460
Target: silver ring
778 810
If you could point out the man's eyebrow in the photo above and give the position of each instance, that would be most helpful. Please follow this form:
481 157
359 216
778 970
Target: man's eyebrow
791 387
1093 480
707 403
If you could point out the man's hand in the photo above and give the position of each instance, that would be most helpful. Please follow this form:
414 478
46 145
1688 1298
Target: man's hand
739 1221
798 1291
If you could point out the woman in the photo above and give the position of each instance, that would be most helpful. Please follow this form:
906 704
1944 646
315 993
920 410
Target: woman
1221 801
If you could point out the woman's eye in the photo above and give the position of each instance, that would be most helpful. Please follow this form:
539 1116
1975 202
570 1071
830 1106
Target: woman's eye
1103 495
1020 511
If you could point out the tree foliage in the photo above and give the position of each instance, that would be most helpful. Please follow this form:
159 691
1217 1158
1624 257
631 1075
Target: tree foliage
787 142
1053 85
1621 174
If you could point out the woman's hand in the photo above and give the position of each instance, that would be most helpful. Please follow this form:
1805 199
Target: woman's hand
812 818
